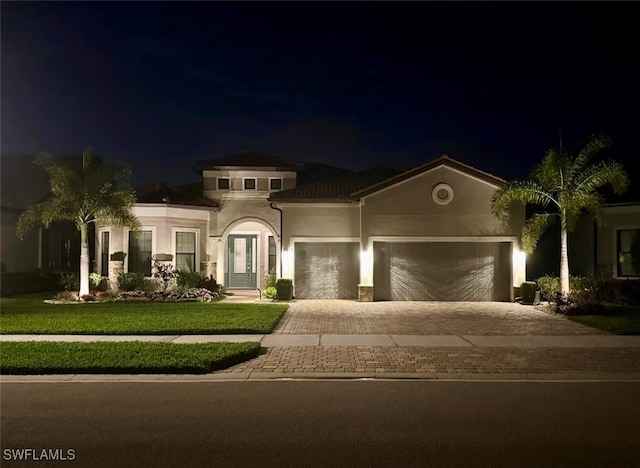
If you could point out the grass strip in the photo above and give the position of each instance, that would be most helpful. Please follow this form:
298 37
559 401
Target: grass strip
46 357
618 319
31 315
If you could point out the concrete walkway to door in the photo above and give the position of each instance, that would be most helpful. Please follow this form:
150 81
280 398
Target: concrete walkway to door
344 317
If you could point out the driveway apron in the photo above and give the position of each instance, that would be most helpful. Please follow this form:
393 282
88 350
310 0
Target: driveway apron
336 317
519 335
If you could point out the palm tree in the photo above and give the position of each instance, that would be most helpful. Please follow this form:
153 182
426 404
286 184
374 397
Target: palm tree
97 192
563 186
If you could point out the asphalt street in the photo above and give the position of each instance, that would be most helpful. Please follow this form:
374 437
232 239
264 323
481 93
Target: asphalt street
323 423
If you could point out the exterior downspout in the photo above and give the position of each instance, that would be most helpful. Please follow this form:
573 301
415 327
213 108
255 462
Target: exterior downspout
274 207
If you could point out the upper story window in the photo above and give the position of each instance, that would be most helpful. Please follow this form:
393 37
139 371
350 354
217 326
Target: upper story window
223 183
628 247
249 184
275 184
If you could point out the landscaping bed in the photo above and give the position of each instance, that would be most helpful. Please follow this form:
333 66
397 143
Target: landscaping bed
30 315
32 358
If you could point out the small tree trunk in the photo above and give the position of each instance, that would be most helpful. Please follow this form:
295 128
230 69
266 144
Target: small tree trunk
564 263
84 260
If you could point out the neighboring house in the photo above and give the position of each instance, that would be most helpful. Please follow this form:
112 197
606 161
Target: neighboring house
606 249
56 249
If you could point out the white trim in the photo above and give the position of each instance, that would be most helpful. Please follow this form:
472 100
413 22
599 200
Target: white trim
164 211
175 230
255 180
443 239
125 247
303 204
98 254
440 166
293 240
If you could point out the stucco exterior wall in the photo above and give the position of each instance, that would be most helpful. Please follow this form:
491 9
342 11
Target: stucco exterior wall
408 209
233 211
314 220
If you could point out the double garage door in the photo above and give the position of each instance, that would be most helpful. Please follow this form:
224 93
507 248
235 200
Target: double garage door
442 271
416 271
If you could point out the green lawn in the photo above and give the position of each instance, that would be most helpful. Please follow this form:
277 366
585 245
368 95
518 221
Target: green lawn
30 315
31 357
620 320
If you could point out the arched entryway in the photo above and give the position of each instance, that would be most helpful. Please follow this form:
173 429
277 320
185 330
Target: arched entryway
247 250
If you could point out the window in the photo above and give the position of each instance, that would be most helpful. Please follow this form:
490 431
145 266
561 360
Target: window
104 253
140 252
186 251
272 254
628 252
223 183
275 184
249 184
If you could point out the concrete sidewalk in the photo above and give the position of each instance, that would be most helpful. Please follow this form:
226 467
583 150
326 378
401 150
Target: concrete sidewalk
333 340
431 357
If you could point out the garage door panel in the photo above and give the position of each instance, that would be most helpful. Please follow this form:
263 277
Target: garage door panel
442 271
327 270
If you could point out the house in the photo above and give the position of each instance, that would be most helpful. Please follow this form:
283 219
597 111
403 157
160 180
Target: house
55 249
424 234
606 249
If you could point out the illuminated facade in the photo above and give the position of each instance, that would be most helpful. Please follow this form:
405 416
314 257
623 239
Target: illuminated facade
425 234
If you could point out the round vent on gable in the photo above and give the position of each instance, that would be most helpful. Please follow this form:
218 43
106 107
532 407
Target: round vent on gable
442 194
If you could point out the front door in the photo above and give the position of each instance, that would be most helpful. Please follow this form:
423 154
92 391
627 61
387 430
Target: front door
242 261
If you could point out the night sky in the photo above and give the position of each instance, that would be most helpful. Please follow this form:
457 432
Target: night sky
160 85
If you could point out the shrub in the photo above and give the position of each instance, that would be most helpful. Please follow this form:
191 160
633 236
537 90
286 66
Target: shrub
98 283
270 292
211 284
67 296
189 279
528 292
163 272
70 281
131 281
270 280
284 289
549 287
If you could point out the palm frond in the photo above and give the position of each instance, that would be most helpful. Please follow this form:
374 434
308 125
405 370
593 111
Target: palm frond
596 144
525 192
533 228
601 174
550 172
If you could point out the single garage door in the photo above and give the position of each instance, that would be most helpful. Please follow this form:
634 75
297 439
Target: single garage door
442 271
327 270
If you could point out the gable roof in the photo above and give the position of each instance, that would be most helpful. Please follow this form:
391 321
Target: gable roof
357 185
161 193
443 160
338 189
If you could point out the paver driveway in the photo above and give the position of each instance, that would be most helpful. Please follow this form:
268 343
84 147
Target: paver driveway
424 318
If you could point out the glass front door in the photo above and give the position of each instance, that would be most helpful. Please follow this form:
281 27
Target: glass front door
242 265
